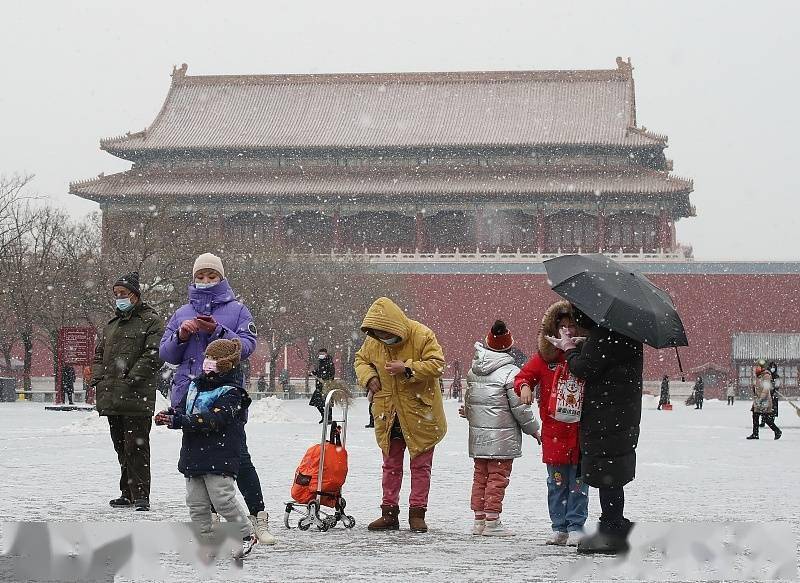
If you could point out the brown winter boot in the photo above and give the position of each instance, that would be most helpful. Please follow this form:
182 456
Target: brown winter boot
388 519
416 520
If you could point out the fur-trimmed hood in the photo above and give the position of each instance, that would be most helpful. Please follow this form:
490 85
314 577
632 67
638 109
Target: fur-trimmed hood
548 328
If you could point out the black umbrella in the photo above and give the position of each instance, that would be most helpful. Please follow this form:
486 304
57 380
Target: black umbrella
618 298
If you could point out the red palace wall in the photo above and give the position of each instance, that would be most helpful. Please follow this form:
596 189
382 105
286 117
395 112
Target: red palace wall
461 308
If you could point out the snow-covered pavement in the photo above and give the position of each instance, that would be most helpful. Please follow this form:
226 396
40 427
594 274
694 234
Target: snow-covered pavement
692 466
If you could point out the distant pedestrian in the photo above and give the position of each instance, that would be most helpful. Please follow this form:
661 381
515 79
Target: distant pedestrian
371 423
456 387
762 400
663 398
731 393
776 385
68 382
699 393
285 382
497 418
324 371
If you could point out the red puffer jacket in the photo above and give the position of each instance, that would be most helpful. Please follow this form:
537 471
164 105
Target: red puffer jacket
559 440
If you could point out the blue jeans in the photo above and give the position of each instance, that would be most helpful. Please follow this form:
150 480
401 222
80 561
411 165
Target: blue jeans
567 498
248 483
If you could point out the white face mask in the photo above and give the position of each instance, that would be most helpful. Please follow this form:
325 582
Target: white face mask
392 340
199 285
322 356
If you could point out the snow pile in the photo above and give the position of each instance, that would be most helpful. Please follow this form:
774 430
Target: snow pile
91 422
269 410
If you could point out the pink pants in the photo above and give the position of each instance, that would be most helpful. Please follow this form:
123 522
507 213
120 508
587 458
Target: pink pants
489 484
393 475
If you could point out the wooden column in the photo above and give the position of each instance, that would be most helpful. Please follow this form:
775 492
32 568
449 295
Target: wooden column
419 239
479 228
541 235
601 230
665 231
337 242
278 230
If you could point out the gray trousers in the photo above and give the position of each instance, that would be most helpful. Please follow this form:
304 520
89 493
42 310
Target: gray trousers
203 491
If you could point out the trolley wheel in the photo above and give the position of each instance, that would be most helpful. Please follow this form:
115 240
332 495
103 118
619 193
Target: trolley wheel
323 526
331 521
303 525
348 521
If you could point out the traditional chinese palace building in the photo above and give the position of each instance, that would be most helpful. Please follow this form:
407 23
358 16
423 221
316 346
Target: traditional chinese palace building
462 182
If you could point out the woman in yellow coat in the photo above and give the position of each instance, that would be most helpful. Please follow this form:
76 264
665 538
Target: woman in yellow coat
400 364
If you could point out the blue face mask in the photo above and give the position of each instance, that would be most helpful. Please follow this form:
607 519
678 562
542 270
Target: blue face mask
124 304
199 285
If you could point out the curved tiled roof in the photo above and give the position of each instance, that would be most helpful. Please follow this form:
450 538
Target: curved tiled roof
474 109
365 183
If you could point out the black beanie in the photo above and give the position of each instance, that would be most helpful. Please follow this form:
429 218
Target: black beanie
130 282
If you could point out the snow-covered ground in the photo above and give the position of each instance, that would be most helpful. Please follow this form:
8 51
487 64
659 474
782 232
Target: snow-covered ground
692 466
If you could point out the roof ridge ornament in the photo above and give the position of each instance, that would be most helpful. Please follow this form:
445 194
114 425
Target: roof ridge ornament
179 74
625 67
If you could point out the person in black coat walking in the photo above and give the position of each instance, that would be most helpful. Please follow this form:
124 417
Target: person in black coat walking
699 393
773 370
68 382
325 371
611 365
663 398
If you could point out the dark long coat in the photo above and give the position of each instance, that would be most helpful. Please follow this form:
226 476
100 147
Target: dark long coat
611 365
325 371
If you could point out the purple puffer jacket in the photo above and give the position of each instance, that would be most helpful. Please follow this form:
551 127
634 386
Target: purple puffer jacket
233 321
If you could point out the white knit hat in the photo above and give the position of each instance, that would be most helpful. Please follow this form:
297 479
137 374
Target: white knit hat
208 261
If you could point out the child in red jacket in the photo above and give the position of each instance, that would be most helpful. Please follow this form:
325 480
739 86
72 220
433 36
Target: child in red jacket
567 495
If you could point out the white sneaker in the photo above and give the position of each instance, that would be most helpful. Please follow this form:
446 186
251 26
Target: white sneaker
557 538
260 524
248 543
496 528
574 537
478 526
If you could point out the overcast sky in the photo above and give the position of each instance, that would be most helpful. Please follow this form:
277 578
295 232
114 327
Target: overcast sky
719 78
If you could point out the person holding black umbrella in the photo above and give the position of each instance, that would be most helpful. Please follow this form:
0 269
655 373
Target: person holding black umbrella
611 364
622 310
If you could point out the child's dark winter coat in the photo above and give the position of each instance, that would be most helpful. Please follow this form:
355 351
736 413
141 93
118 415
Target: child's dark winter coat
213 425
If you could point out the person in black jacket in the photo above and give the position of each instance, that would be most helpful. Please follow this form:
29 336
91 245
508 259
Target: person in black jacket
325 371
68 382
699 393
772 367
611 365
663 398
212 416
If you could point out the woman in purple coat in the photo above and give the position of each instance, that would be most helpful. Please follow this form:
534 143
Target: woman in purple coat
213 313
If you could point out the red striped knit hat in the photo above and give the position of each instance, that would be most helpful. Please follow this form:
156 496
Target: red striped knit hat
499 338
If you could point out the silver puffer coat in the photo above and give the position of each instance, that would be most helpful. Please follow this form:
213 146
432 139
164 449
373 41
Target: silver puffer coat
495 413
